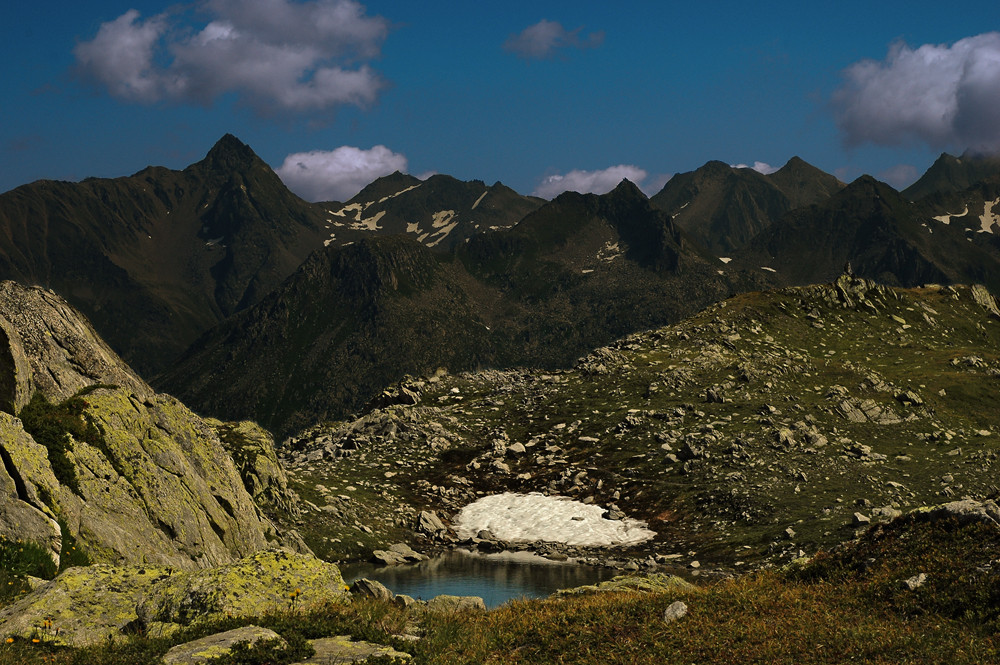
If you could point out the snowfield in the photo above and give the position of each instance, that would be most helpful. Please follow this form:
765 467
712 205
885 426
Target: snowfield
535 517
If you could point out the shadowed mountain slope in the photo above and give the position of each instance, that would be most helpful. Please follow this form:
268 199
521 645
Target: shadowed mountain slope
157 258
577 273
949 175
723 207
883 235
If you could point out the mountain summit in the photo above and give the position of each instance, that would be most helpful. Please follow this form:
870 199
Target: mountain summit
157 258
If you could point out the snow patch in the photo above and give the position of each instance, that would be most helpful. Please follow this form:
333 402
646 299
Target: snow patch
587 271
442 234
442 218
481 197
725 259
946 219
989 218
768 269
354 208
535 517
609 252
402 191
413 227
369 223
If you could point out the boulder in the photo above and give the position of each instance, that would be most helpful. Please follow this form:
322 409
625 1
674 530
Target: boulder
985 299
141 480
16 385
342 649
446 603
252 449
407 552
388 558
60 348
25 480
429 522
267 581
213 646
967 510
655 583
88 605
366 588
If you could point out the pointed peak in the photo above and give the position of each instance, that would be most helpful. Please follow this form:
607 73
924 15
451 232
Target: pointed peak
627 188
229 153
796 163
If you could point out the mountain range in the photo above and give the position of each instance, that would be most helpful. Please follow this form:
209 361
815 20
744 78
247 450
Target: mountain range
227 290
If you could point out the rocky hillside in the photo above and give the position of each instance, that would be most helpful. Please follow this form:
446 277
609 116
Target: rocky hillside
576 273
767 425
157 258
94 460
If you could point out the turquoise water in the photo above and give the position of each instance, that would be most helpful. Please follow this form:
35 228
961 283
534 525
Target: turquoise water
496 580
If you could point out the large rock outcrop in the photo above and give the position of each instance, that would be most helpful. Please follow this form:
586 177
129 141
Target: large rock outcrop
149 482
87 605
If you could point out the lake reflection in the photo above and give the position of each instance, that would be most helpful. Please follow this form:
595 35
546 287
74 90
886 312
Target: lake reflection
495 578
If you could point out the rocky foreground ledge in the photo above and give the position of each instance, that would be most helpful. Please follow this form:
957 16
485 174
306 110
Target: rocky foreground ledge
85 605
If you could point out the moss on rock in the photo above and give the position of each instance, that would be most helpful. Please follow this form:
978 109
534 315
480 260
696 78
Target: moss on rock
86 605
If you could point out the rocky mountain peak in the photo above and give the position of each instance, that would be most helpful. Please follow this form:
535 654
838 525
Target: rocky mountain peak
230 154
627 189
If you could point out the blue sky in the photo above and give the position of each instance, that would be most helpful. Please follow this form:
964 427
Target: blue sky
539 95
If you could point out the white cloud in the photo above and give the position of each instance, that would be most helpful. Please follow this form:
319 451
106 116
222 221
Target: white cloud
935 94
337 175
542 39
759 167
120 57
900 176
276 55
589 182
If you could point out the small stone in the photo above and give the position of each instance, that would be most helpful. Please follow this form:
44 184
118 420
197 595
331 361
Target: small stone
915 582
675 611
861 518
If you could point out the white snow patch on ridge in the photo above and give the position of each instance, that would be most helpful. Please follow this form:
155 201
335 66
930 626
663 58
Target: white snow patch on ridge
481 197
535 517
402 191
946 219
442 218
989 218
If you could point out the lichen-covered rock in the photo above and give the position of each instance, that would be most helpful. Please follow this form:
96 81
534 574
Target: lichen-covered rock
342 649
15 372
252 449
161 489
61 348
89 604
157 486
447 603
267 581
657 583
965 511
220 644
86 604
26 480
